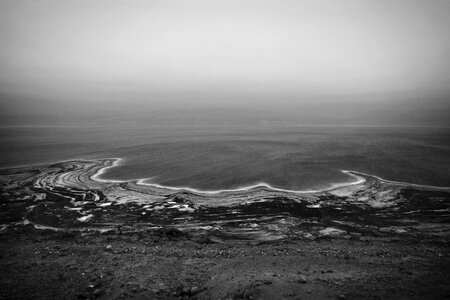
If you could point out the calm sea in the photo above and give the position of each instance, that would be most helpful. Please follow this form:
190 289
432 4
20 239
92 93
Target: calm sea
219 157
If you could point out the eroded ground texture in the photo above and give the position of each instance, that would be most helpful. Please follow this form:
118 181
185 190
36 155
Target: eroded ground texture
65 235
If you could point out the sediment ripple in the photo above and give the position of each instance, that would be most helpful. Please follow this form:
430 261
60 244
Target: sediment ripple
72 196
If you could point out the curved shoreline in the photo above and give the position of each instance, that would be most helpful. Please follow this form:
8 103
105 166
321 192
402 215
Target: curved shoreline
65 217
399 182
358 176
73 196
109 163
360 180
141 182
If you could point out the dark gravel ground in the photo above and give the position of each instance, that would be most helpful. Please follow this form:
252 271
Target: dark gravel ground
50 265
379 241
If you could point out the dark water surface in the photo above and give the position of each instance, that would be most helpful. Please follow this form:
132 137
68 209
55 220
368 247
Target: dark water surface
219 157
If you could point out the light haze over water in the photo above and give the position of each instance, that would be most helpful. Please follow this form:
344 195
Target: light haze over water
221 157
221 94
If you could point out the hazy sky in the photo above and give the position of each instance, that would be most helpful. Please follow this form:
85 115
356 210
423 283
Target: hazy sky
104 49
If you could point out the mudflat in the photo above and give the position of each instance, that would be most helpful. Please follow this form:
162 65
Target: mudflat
65 234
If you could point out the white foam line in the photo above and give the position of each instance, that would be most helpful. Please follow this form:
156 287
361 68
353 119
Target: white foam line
241 189
359 180
354 174
101 171
96 177
117 161
397 182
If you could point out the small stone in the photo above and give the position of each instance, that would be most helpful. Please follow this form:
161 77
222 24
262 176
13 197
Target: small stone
98 292
302 279
87 218
332 232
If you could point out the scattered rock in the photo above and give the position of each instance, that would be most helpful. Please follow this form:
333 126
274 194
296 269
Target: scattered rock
98 292
302 279
332 232
87 218
185 291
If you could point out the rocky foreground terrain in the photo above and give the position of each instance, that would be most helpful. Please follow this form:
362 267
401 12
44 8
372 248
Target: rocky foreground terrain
66 234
